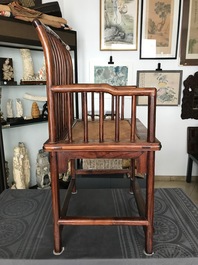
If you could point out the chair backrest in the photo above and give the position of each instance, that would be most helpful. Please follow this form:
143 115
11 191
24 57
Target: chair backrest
61 92
59 70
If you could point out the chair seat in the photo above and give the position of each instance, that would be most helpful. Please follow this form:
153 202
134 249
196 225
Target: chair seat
109 137
109 131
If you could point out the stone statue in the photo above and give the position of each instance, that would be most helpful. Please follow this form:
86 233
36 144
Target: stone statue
21 167
19 108
43 170
3 121
42 73
28 67
8 72
9 106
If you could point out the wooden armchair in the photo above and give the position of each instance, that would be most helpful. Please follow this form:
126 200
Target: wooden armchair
73 139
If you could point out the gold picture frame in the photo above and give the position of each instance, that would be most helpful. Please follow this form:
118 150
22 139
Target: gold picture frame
189 38
159 29
118 25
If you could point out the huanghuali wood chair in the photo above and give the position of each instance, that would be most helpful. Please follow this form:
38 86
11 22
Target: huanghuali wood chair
71 139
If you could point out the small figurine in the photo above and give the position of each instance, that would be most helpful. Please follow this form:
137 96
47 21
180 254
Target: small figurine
42 73
19 108
3 121
35 111
45 111
9 106
43 170
8 72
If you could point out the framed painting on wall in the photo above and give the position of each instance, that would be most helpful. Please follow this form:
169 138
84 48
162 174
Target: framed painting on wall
167 83
116 74
118 24
189 37
159 29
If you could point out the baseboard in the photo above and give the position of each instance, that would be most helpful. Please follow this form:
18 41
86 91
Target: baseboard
175 178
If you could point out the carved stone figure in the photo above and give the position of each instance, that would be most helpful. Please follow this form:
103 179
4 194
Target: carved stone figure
9 106
43 170
8 72
28 67
3 122
42 73
21 167
19 108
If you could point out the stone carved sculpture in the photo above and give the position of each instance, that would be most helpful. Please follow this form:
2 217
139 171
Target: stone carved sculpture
9 106
3 122
8 72
28 66
21 167
43 170
19 108
42 73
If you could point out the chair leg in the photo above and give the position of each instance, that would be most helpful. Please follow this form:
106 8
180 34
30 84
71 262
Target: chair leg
73 174
132 176
55 203
150 205
189 169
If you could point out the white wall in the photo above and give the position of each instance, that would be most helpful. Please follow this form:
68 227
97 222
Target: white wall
84 17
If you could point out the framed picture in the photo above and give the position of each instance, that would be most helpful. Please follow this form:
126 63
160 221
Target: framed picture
115 74
189 37
167 83
118 24
159 29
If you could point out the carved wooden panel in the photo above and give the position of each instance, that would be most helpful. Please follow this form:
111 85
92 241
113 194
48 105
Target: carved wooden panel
190 98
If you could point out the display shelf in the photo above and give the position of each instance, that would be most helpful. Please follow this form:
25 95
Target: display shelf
22 122
20 34
25 83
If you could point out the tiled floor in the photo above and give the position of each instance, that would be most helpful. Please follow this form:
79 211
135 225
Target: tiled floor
191 189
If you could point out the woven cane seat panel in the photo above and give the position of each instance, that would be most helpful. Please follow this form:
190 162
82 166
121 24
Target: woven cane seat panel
109 131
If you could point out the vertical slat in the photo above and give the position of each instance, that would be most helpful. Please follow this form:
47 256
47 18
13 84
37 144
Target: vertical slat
122 108
101 117
133 118
92 107
112 107
151 118
117 114
69 110
85 114
82 103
